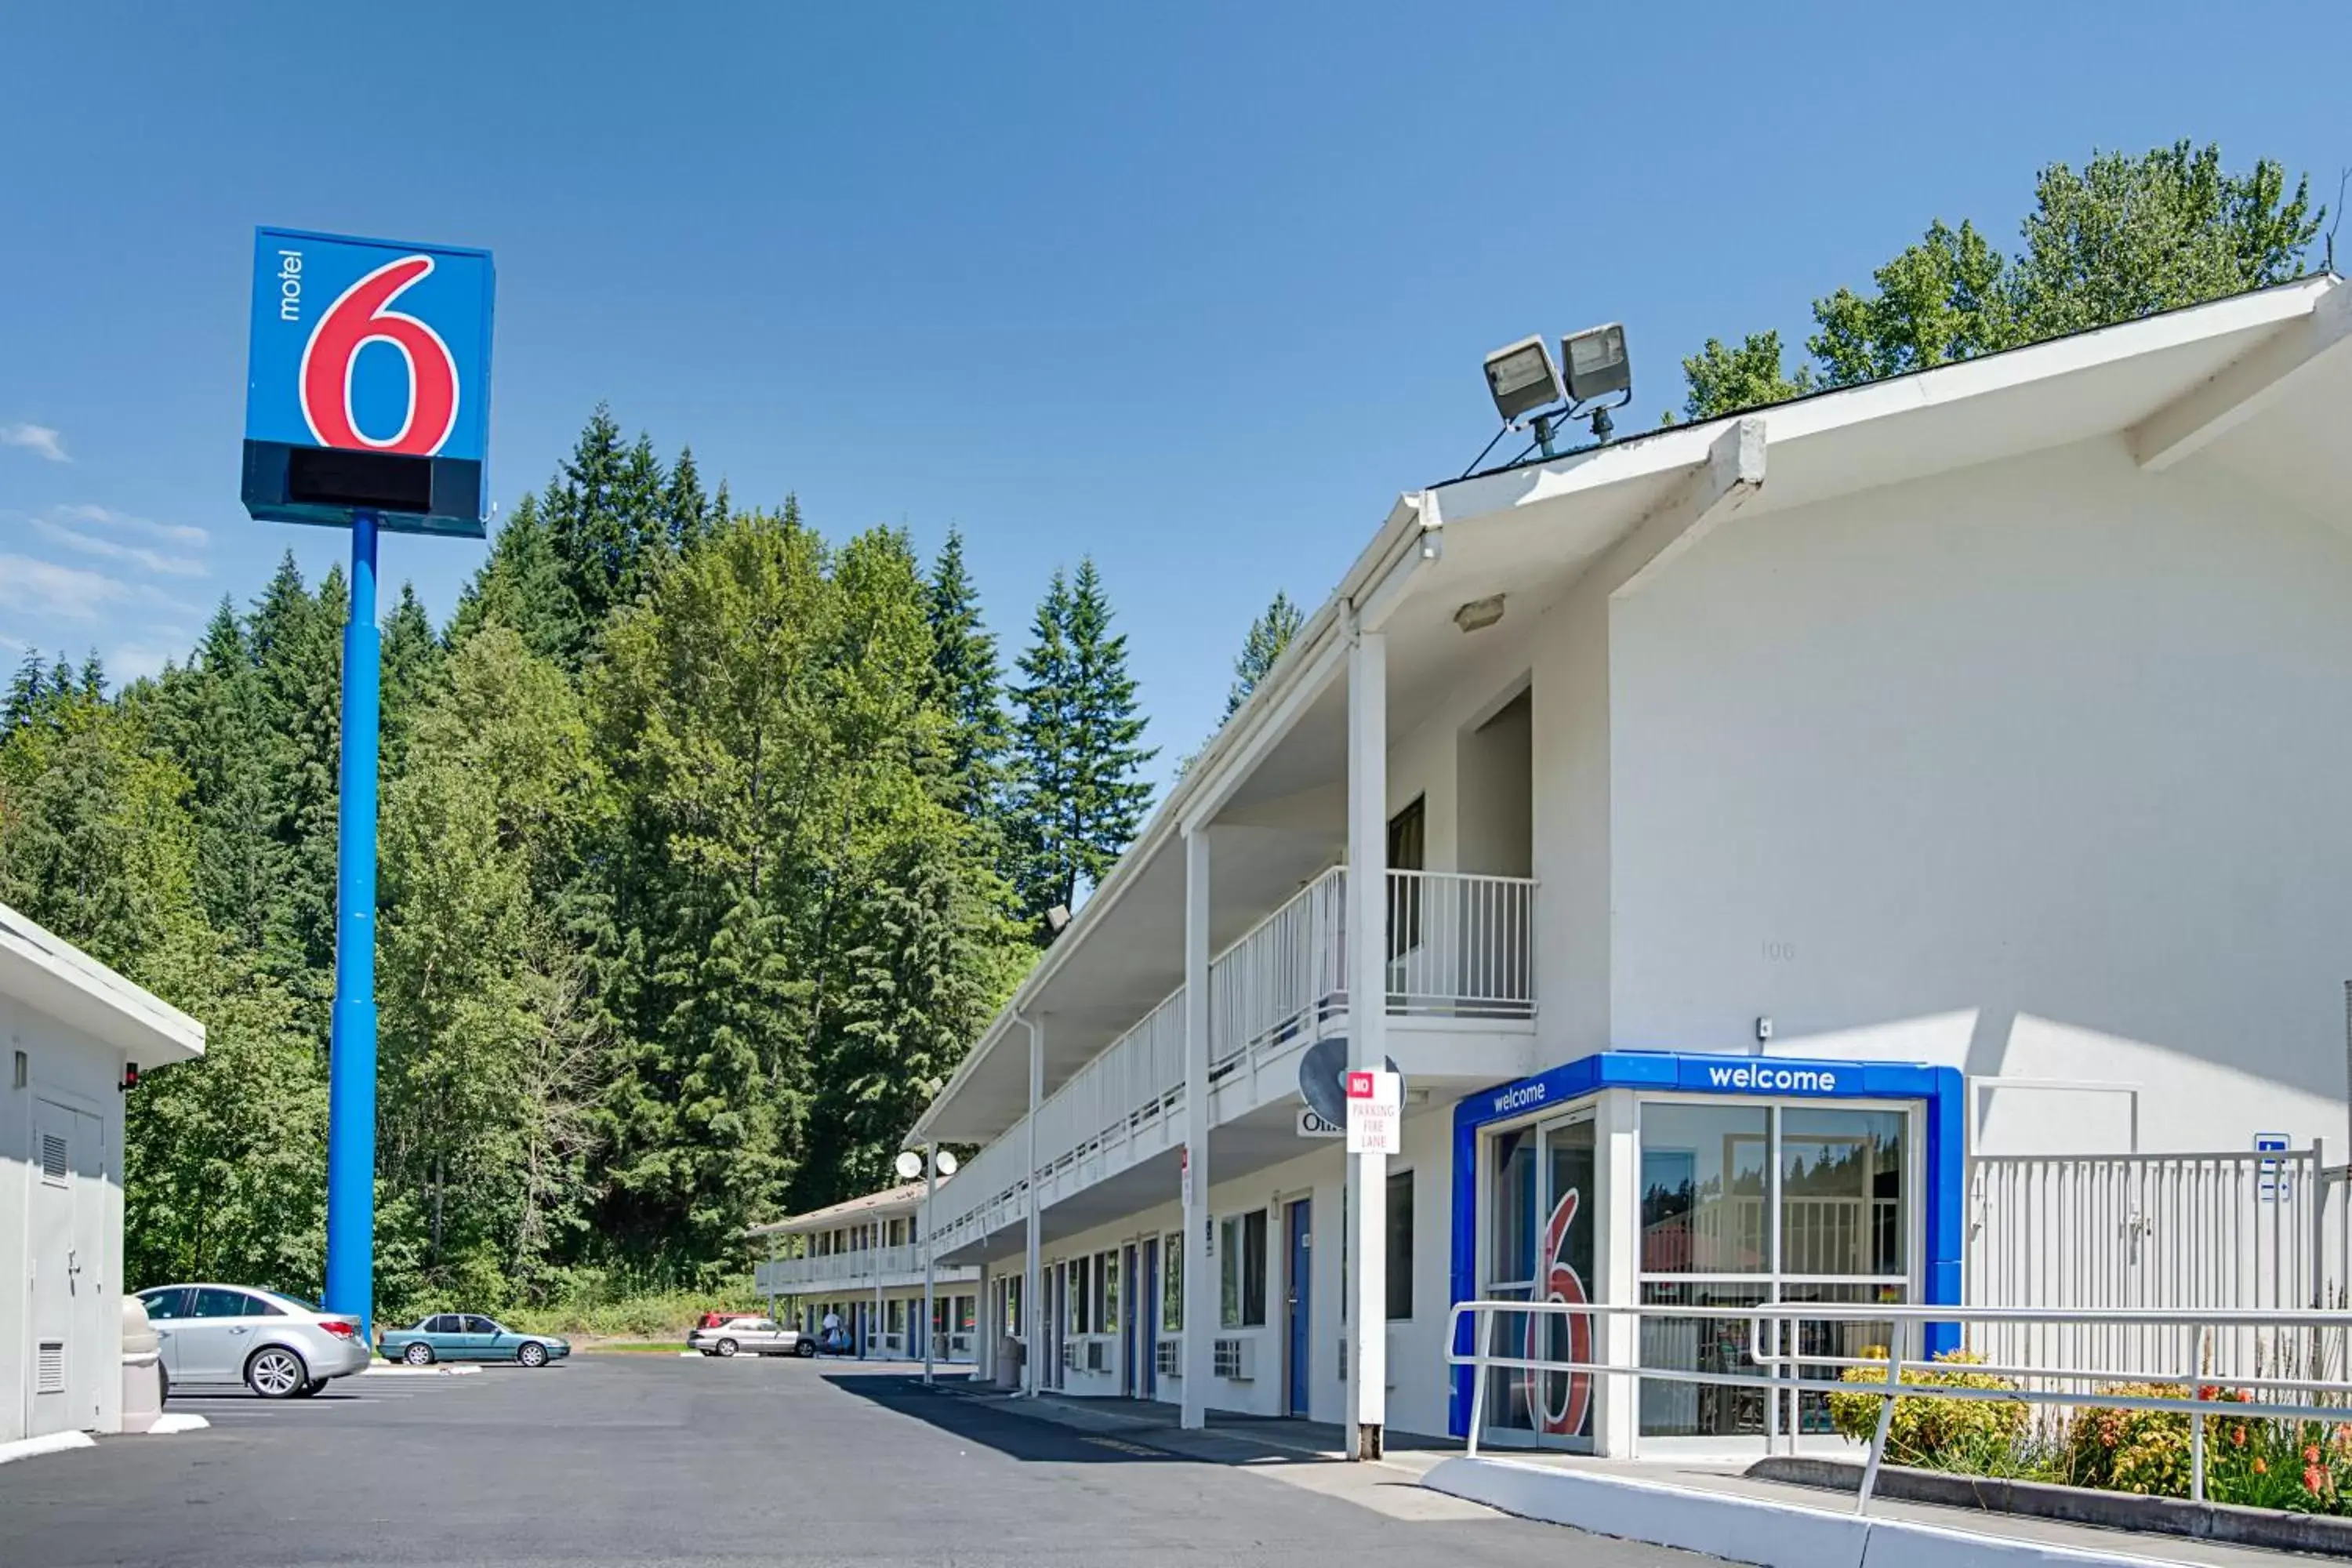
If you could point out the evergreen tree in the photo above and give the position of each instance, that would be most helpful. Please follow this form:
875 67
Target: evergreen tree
641 501
93 678
521 585
967 686
686 513
1077 741
413 662
208 719
1268 636
24 690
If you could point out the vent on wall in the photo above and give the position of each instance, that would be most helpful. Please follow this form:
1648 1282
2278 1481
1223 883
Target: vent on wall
1235 1359
50 1376
53 1159
1167 1359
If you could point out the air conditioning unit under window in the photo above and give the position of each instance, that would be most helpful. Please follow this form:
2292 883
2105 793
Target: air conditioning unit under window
1168 1358
1070 1355
1236 1359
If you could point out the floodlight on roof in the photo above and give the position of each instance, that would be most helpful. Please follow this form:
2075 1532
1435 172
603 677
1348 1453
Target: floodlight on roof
1523 378
1596 361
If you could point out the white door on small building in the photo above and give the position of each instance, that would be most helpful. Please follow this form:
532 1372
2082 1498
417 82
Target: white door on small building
66 1241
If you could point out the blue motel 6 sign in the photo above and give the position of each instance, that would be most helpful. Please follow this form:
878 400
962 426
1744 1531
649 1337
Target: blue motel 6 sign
367 407
368 385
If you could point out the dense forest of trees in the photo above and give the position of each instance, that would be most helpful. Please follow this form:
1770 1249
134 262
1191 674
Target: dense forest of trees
708 845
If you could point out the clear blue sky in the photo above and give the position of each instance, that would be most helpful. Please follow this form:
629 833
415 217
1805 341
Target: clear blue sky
1197 289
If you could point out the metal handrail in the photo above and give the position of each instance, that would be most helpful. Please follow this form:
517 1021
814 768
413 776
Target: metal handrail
1481 1359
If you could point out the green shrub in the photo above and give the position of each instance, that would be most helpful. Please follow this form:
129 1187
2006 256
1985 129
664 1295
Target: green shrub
1941 1433
2144 1451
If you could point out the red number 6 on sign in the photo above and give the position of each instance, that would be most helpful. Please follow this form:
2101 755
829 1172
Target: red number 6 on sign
363 315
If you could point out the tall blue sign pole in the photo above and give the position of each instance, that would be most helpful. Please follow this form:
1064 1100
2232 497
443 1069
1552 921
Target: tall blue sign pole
367 407
351 1068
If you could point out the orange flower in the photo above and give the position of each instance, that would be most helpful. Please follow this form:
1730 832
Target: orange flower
2262 1466
2238 1436
2312 1476
2311 1455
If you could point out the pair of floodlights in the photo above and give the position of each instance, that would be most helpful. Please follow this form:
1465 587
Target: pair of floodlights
1528 385
911 1164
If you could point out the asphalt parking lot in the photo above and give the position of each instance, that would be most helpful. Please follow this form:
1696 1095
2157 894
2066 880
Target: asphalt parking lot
604 1461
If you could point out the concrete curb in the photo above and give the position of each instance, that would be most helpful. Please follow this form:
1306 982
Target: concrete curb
172 1422
2262 1528
1743 1530
54 1443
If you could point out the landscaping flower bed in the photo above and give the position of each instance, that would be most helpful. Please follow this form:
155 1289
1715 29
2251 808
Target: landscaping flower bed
2302 1467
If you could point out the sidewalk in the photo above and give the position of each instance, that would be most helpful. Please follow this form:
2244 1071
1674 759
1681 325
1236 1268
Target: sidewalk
1662 1501
1230 1440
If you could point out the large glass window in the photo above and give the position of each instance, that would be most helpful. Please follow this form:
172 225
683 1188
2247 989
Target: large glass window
1743 1204
1106 1288
1171 1283
1081 1296
1400 1245
1241 1264
1703 1189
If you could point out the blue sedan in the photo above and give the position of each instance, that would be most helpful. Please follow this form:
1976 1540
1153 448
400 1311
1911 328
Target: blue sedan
470 1336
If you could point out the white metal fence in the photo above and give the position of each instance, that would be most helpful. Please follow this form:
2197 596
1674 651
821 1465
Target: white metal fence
2233 1232
1546 1378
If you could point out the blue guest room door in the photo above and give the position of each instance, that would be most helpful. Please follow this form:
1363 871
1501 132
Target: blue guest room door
1299 1223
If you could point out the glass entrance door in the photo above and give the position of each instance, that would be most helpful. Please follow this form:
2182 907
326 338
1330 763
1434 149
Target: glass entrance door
1539 1249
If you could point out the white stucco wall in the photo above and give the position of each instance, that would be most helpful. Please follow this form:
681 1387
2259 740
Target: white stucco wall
1418 1395
2035 769
67 1066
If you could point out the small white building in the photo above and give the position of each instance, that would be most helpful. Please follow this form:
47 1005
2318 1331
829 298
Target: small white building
862 1261
1787 839
71 1028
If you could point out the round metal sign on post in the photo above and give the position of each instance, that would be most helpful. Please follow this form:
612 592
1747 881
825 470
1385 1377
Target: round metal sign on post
1323 1079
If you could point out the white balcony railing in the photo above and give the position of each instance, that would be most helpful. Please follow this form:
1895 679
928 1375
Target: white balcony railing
1460 946
792 1276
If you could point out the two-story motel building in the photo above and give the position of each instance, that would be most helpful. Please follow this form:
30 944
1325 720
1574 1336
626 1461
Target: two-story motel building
1780 822
862 1262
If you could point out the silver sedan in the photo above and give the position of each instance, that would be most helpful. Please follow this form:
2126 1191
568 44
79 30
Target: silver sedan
752 1336
222 1335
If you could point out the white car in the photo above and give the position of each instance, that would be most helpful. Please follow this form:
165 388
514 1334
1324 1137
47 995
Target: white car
750 1336
222 1335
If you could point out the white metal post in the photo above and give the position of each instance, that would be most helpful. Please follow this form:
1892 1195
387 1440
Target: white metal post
930 1190
1367 921
1033 1316
1198 1246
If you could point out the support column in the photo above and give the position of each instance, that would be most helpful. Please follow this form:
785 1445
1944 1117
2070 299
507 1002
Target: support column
1198 1246
1033 1316
351 1057
1368 1028
1617 1254
930 1190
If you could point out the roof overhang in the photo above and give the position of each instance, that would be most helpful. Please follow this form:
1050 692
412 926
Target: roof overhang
52 977
892 1203
2257 382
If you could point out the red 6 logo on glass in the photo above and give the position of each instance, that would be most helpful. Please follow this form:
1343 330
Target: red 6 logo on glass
1559 1403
